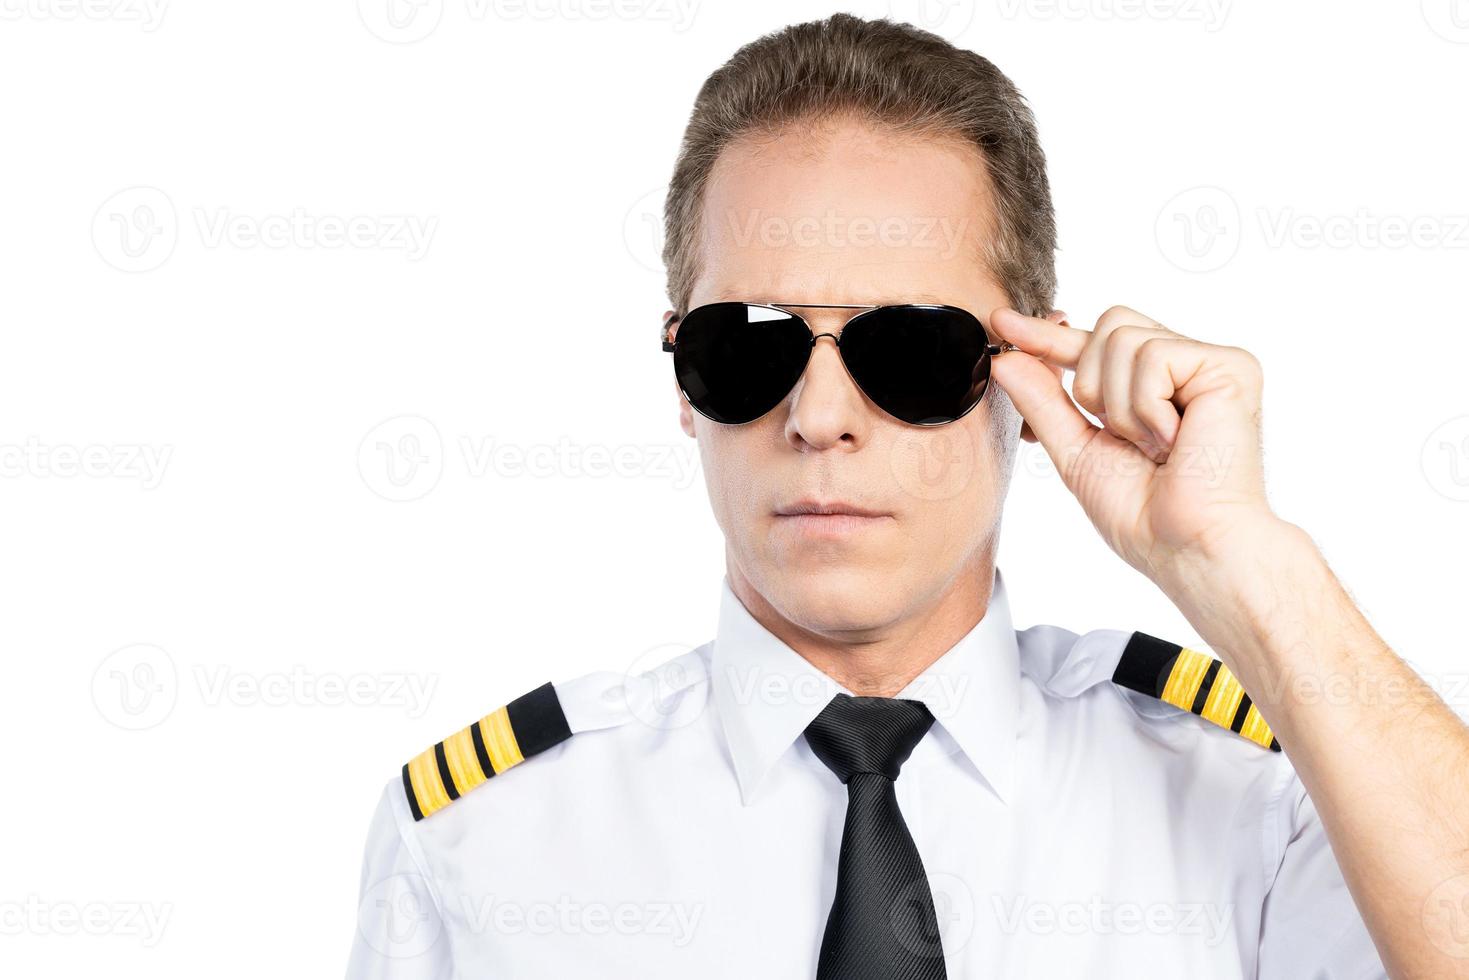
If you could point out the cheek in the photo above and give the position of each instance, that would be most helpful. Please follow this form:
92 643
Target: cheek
730 459
950 466
950 481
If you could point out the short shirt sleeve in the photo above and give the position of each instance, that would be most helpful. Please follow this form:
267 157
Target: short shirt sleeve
400 926
1310 927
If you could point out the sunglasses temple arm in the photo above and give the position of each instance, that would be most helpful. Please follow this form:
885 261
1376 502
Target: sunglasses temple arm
1000 348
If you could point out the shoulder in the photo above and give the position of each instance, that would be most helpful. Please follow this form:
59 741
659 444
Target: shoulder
1166 727
1161 684
544 724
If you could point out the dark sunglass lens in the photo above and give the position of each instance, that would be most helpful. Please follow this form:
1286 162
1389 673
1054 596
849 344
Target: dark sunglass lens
923 364
735 362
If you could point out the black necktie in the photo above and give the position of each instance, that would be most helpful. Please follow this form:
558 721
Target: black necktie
882 924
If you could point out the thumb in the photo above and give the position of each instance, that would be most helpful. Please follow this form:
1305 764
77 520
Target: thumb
1036 391
1055 316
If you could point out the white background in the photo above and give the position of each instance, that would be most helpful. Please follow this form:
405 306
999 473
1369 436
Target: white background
207 436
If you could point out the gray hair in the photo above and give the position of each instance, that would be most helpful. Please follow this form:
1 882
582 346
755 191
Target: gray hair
890 73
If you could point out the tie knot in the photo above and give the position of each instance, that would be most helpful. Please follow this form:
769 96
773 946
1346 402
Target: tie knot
876 735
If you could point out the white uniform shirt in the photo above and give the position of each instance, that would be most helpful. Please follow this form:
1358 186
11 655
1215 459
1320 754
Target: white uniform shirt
1069 828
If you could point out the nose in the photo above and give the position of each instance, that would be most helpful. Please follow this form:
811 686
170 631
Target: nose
827 408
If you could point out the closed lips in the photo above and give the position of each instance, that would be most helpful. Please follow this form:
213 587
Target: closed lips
807 509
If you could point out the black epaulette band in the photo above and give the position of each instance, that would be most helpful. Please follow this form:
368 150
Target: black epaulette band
1192 681
527 726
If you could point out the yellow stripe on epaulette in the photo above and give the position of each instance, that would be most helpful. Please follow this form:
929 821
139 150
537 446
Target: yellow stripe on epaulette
1193 681
500 740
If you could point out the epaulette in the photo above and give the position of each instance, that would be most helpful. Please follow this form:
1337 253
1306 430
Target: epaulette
504 738
1192 681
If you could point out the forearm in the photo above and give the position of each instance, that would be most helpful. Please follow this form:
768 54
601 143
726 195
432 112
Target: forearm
1385 760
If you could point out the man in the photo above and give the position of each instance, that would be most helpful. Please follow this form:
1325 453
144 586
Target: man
869 773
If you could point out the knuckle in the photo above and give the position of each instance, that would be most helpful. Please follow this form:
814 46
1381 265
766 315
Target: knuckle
1116 315
1250 361
1152 352
1248 368
1126 336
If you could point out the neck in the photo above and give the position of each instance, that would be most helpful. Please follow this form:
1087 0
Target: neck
880 659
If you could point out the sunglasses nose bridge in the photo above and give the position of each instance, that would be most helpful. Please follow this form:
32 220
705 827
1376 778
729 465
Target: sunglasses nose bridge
825 395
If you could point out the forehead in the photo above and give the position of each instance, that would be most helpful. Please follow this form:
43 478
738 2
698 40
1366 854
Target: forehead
845 212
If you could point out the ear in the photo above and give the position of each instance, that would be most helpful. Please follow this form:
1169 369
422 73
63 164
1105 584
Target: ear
685 413
1055 316
685 410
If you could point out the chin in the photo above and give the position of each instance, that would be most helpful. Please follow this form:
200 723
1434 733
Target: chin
835 597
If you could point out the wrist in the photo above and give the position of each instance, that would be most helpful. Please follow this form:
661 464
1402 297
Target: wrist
1234 555
1252 593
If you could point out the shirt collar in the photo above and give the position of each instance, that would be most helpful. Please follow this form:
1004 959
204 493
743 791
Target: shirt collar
767 694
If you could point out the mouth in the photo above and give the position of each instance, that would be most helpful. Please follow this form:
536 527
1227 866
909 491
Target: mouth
828 518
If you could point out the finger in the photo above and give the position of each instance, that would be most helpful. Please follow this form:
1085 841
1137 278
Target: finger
1051 342
1086 387
1173 371
1118 369
1117 315
1152 387
1055 316
1041 400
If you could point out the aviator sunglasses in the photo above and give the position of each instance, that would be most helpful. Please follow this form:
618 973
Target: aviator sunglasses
921 364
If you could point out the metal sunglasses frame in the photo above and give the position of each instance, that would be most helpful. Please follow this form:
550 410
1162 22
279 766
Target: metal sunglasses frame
990 349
